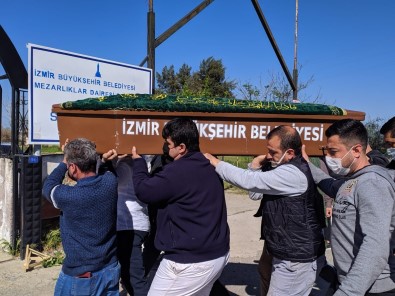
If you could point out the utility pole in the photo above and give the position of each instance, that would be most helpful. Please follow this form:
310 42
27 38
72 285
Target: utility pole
295 70
155 42
151 41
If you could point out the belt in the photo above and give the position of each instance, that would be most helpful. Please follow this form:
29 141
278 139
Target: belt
85 275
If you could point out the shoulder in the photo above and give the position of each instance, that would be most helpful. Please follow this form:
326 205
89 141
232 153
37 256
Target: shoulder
108 177
291 168
288 172
374 171
191 159
375 176
377 158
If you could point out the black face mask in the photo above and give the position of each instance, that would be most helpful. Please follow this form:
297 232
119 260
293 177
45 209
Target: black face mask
166 158
266 166
165 149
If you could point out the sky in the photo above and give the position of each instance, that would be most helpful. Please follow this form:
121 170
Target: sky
347 46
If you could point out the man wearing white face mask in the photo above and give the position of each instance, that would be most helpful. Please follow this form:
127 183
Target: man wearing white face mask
336 164
292 211
362 238
388 131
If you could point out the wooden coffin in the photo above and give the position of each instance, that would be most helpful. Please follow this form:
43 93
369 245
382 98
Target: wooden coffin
220 133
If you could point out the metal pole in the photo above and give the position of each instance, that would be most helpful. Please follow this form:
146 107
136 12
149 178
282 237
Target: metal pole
194 12
295 70
165 35
1 113
151 41
273 42
15 166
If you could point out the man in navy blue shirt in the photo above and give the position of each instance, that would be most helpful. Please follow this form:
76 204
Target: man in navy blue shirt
87 222
192 222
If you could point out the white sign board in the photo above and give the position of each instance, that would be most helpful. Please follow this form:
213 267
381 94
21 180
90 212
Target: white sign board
56 76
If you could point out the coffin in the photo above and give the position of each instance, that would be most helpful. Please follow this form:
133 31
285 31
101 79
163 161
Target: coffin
226 126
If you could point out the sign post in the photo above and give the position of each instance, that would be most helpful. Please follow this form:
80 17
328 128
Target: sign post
57 75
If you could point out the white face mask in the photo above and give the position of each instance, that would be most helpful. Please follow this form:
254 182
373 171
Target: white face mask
335 164
391 153
275 164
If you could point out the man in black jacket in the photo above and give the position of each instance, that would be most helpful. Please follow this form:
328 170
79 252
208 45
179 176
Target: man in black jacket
292 211
192 221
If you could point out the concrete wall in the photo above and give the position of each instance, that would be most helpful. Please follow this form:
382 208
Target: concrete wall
6 203
49 162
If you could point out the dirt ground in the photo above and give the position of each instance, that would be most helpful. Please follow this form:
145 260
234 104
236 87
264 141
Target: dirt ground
240 276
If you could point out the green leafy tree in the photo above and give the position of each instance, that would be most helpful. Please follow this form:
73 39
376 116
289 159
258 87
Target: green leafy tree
375 139
208 81
167 81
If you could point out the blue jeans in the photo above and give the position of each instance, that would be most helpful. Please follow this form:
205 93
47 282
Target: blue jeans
102 282
131 259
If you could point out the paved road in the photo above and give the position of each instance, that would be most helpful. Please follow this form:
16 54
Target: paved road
239 277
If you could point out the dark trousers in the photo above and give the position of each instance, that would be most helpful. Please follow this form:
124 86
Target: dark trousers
265 271
130 257
151 254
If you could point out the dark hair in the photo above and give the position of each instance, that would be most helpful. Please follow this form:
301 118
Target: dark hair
182 130
290 138
350 132
388 126
82 153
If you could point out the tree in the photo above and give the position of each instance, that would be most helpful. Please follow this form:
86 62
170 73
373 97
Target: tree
250 92
375 139
277 89
208 81
5 134
167 81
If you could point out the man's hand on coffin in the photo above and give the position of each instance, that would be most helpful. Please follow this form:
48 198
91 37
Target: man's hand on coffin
134 153
109 155
62 147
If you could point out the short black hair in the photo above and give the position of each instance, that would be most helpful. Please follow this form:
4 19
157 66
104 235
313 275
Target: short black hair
350 132
290 138
182 130
389 126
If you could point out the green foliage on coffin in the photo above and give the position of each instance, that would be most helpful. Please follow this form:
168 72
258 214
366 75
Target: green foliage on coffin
174 103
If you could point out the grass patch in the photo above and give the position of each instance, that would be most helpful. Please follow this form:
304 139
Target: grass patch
241 162
9 249
50 149
52 243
